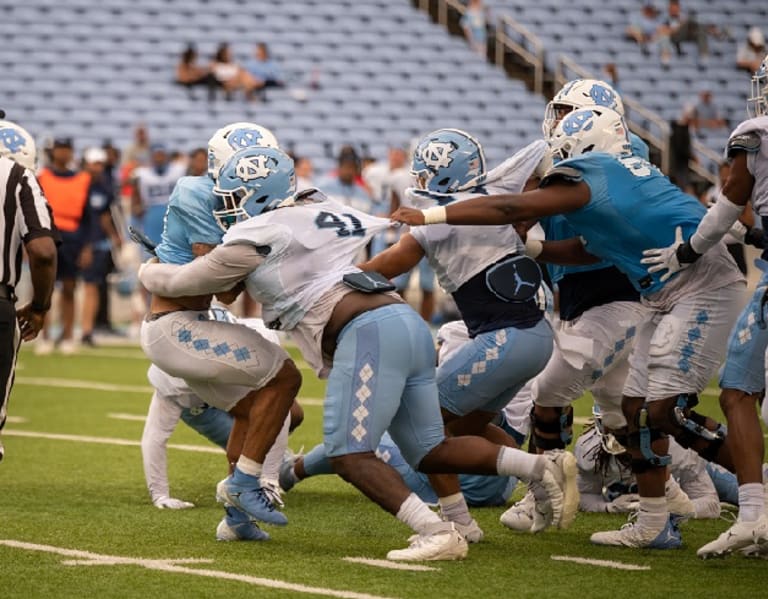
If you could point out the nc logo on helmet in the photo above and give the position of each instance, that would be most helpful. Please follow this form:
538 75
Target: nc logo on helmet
244 138
602 96
437 154
253 167
578 121
12 140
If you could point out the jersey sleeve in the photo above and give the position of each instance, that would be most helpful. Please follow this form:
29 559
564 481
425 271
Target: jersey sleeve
562 173
194 213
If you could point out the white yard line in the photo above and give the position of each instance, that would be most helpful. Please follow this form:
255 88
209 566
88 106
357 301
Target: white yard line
107 441
15 420
382 563
129 417
79 384
603 563
171 565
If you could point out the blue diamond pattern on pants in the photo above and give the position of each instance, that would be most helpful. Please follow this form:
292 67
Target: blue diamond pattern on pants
242 354
222 349
201 344
630 332
694 334
687 351
702 317
185 335
608 360
619 345
684 365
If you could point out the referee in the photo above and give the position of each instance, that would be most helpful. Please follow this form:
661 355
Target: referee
24 220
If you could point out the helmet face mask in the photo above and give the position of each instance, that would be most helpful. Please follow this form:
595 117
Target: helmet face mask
17 144
252 181
757 103
447 161
233 137
579 93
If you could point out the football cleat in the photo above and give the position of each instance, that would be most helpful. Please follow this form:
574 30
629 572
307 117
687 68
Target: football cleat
633 535
287 478
557 495
679 504
442 543
520 515
471 532
237 526
740 535
255 502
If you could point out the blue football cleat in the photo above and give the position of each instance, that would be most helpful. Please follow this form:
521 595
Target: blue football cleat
244 492
237 526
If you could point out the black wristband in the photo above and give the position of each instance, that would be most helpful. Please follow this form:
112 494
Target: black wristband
40 308
755 237
686 254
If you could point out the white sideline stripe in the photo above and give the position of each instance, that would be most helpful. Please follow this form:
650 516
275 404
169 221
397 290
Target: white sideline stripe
170 565
107 441
382 563
16 420
79 384
581 420
131 417
603 563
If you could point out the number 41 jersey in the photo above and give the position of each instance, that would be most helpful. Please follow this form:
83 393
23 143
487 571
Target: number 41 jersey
308 248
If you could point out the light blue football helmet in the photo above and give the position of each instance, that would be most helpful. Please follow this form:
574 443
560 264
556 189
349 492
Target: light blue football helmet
447 161
253 181
595 129
757 103
579 93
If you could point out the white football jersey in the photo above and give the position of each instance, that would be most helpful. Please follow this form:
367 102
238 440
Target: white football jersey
311 246
457 253
757 162
155 189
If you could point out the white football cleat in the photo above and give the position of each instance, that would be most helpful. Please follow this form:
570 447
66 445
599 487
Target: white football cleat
471 532
633 535
681 505
520 515
443 543
738 536
561 501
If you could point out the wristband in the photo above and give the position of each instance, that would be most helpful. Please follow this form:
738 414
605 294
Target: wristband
533 248
435 215
686 254
40 308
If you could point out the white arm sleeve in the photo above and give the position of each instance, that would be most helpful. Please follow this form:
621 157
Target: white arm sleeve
715 224
219 270
162 418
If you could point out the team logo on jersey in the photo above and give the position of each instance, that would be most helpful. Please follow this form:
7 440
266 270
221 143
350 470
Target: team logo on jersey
437 154
12 139
253 167
602 96
578 121
244 138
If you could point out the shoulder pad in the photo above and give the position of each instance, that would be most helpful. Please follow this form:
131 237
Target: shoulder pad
745 142
561 172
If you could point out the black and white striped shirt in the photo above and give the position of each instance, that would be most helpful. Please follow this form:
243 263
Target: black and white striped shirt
25 216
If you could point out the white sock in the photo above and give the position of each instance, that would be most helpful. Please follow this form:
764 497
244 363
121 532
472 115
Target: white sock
672 488
274 457
513 462
249 466
416 514
751 501
653 513
454 509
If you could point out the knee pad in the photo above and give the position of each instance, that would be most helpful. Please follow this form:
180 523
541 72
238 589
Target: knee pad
693 430
641 441
562 427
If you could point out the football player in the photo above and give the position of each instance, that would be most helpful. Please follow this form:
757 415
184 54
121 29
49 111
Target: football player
297 252
620 205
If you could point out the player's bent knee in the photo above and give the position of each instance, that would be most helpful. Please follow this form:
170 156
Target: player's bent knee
288 378
297 416
347 465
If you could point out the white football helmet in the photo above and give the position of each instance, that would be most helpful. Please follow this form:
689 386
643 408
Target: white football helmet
17 144
579 93
757 103
594 129
233 137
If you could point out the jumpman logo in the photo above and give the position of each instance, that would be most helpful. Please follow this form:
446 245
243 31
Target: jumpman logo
520 282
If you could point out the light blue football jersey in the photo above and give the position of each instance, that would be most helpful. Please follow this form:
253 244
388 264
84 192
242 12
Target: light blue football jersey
557 228
633 207
189 220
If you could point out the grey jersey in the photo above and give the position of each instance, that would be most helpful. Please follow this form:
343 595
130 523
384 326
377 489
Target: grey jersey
752 136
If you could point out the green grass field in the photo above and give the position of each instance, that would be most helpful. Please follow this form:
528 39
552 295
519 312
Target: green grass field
91 497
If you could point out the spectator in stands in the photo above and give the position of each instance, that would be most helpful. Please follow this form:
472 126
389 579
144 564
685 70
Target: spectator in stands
265 69
103 237
304 175
703 113
678 28
751 52
197 163
473 22
611 75
643 26
138 152
190 74
67 194
230 75
680 152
